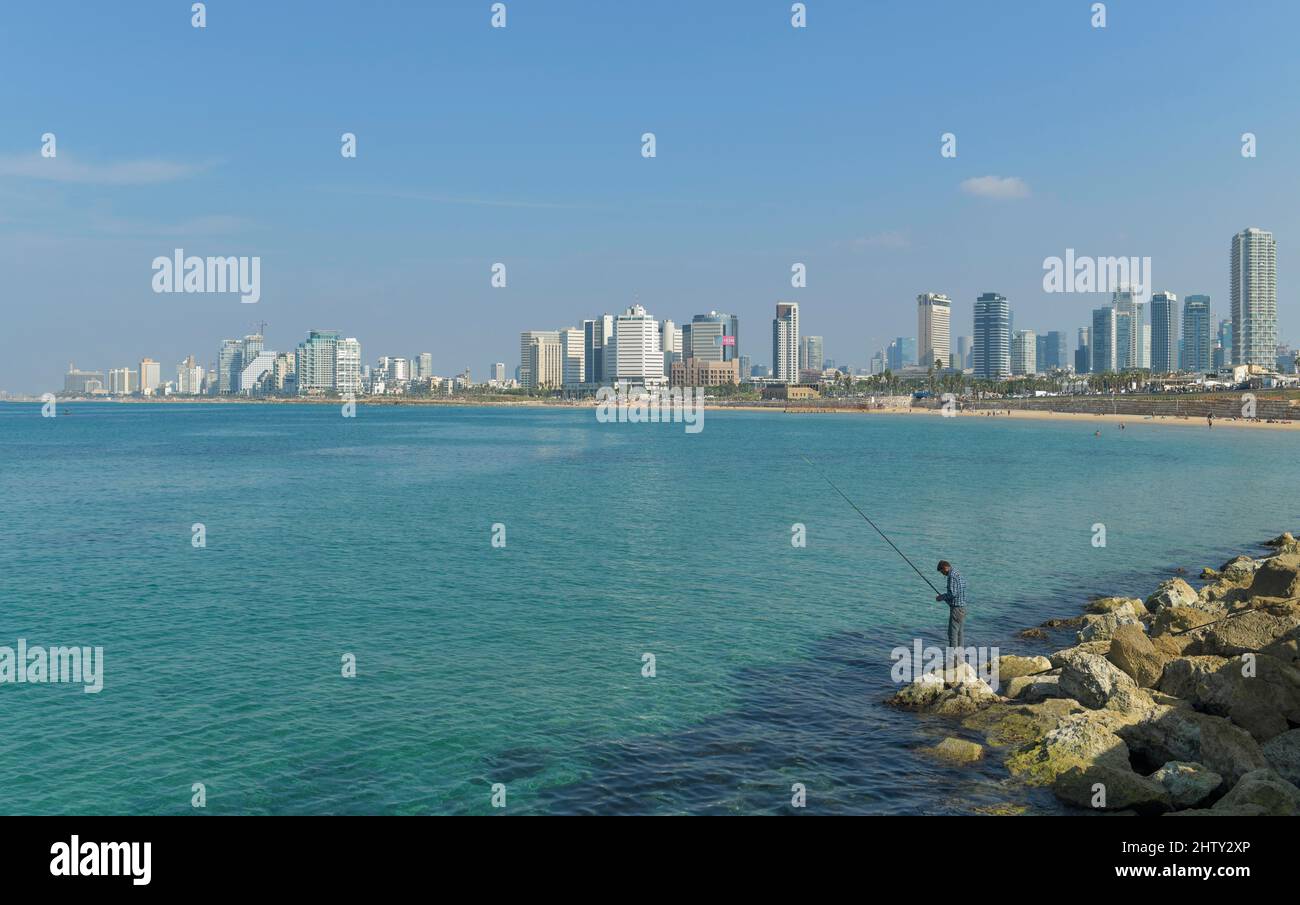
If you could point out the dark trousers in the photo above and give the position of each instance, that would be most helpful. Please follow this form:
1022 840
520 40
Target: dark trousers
956 621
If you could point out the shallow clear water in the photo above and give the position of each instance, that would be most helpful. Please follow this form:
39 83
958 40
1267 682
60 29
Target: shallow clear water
522 665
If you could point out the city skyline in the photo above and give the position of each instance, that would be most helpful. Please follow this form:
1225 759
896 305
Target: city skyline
1121 336
562 196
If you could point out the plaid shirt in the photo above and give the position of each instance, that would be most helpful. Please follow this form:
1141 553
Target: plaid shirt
956 595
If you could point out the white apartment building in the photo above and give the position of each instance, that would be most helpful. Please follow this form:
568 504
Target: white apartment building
785 342
933 329
1254 298
636 353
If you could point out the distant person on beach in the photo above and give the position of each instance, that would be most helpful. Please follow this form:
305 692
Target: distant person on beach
1210 420
955 597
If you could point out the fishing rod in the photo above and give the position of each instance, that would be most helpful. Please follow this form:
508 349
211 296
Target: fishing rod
870 522
1215 622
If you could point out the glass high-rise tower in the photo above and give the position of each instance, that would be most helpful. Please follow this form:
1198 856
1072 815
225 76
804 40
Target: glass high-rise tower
1197 344
991 355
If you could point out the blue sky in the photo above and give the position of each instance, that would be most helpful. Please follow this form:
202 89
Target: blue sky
522 145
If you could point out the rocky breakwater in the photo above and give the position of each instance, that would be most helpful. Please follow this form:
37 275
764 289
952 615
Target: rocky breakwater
1184 703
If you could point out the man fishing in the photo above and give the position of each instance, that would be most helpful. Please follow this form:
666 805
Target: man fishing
955 597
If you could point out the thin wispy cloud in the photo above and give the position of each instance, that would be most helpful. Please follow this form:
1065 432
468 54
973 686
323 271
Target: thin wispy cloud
208 225
434 198
147 171
999 188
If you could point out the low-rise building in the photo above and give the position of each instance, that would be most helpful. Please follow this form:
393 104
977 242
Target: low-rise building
786 391
698 372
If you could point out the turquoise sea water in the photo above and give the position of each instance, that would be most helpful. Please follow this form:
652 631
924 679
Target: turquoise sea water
522 665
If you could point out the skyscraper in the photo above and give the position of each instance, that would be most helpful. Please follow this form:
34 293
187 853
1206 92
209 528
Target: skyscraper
785 342
596 335
1128 330
670 341
1254 298
963 351
1102 339
1024 353
121 381
541 362
327 362
189 377
1083 353
991 355
637 354
811 357
1058 352
572 349
150 376
933 318
711 337
228 365
901 353
255 374
1197 345
498 372
249 349
1164 333
347 367
1221 355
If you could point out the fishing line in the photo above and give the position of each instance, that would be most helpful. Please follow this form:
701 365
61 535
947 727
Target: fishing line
871 523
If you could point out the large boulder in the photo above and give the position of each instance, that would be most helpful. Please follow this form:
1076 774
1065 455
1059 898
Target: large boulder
1222 593
956 750
1170 646
1283 754
1010 666
1180 733
1132 651
1286 648
1188 784
1078 741
1129 605
1088 678
1102 626
1111 788
1172 593
1018 724
1180 619
1282 540
1032 689
1258 693
1186 677
1265 789
1278 576
1130 704
1238 570
954 691
1251 629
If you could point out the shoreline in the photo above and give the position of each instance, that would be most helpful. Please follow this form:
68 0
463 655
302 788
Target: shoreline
1182 703
965 414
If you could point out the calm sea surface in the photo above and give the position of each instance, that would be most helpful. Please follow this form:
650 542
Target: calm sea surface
522 665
